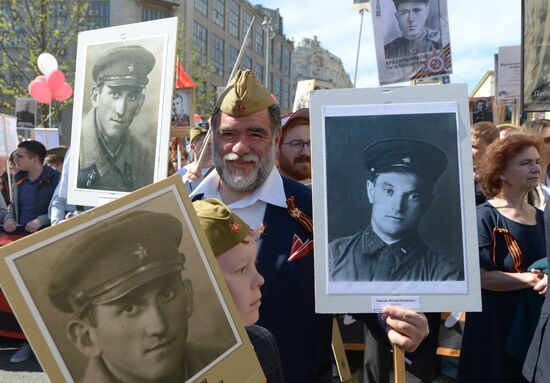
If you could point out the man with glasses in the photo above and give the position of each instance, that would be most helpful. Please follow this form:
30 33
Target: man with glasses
294 149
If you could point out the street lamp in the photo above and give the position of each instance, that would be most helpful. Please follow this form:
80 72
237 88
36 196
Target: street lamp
268 27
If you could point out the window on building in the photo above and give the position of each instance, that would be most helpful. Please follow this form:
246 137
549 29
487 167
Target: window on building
98 15
278 54
285 100
246 63
234 15
200 40
247 19
286 61
259 71
149 12
218 12
218 54
202 6
233 53
277 88
259 41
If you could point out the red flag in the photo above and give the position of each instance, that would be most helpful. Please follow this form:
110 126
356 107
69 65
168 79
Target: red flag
183 81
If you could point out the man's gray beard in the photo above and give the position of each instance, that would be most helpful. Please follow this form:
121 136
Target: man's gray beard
238 182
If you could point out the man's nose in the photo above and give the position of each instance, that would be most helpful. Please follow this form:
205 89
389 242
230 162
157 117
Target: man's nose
155 321
241 146
399 203
121 105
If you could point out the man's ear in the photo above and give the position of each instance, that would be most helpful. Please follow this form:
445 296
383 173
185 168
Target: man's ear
370 190
188 296
94 94
82 335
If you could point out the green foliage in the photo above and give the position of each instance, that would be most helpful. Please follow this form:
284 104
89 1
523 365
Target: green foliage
29 28
199 68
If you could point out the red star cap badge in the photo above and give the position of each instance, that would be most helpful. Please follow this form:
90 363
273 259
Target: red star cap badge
235 227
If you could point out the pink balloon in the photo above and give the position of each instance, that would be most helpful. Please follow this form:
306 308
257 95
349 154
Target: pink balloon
63 93
38 89
55 80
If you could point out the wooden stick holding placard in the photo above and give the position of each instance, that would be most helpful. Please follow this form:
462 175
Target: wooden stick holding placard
339 352
399 365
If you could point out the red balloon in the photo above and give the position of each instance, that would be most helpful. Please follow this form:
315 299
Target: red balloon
38 89
55 80
63 93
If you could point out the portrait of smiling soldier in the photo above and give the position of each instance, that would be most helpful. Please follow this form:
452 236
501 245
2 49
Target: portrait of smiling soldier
402 174
112 156
130 303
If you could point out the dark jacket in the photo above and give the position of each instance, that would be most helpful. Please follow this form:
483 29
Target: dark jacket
49 178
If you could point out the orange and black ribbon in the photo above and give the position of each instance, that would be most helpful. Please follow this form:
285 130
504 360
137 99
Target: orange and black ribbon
511 244
299 215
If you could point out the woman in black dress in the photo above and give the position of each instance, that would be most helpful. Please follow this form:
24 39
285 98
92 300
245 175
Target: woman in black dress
511 238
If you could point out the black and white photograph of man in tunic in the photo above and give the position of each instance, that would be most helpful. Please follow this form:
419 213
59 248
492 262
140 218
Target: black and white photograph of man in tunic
118 131
396 216
536 56
410 36
181 106
127 296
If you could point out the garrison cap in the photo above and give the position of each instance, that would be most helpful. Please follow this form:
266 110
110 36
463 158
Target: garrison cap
405 155
60 151
122 254
244 95
124 66
224 229
195 132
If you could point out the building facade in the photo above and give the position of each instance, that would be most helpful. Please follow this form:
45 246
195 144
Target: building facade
313 62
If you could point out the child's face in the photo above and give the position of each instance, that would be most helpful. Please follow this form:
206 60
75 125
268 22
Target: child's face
238 266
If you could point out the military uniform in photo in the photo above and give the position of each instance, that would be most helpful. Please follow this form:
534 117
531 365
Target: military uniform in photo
402 47
130 165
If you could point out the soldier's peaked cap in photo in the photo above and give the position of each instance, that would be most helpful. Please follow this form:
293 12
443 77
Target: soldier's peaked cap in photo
120 255
124 66
405 155
244 95
398 2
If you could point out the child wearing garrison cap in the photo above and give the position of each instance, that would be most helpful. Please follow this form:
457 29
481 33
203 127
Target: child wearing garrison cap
234 245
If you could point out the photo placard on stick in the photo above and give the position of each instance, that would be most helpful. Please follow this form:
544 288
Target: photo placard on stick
122 110
48 137
380 235
411 38
129 289
26 112
535 89
8 135
508 74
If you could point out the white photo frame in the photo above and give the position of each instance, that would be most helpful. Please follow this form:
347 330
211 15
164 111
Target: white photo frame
341 130
145 144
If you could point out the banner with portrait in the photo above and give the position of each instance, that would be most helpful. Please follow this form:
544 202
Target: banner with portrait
408 147
535 89
130 289
411 38
122 110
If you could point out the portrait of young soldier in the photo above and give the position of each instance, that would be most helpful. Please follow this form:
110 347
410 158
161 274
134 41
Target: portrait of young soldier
180 115
112 156
402 174
130 302
416 38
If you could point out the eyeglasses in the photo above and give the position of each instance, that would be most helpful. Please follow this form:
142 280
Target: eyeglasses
298 145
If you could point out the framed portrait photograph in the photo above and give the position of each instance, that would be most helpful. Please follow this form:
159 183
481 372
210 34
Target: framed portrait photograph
393 200
183 107
130 289
411 39
26 112
482 109
122 110
535 90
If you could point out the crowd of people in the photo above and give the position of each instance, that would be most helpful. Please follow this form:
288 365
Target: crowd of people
252 168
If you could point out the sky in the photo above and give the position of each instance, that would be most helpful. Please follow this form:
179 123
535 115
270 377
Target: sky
477 30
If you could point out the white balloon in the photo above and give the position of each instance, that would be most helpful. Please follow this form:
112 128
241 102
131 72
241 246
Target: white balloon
46 63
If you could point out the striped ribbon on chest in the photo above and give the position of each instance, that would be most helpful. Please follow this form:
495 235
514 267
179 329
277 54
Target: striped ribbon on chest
511 244
299 215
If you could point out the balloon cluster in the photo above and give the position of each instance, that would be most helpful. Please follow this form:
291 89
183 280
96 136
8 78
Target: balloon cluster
51 84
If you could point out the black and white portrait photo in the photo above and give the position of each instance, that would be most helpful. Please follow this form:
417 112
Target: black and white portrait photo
410 37
25 111
482 109
389 197
181 106
536 56
119 114
127 294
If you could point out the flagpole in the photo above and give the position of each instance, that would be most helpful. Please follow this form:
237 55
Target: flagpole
241 52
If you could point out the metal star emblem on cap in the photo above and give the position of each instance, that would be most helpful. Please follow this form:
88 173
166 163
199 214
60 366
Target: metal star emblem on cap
141 254
131 68
406 160
235 227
